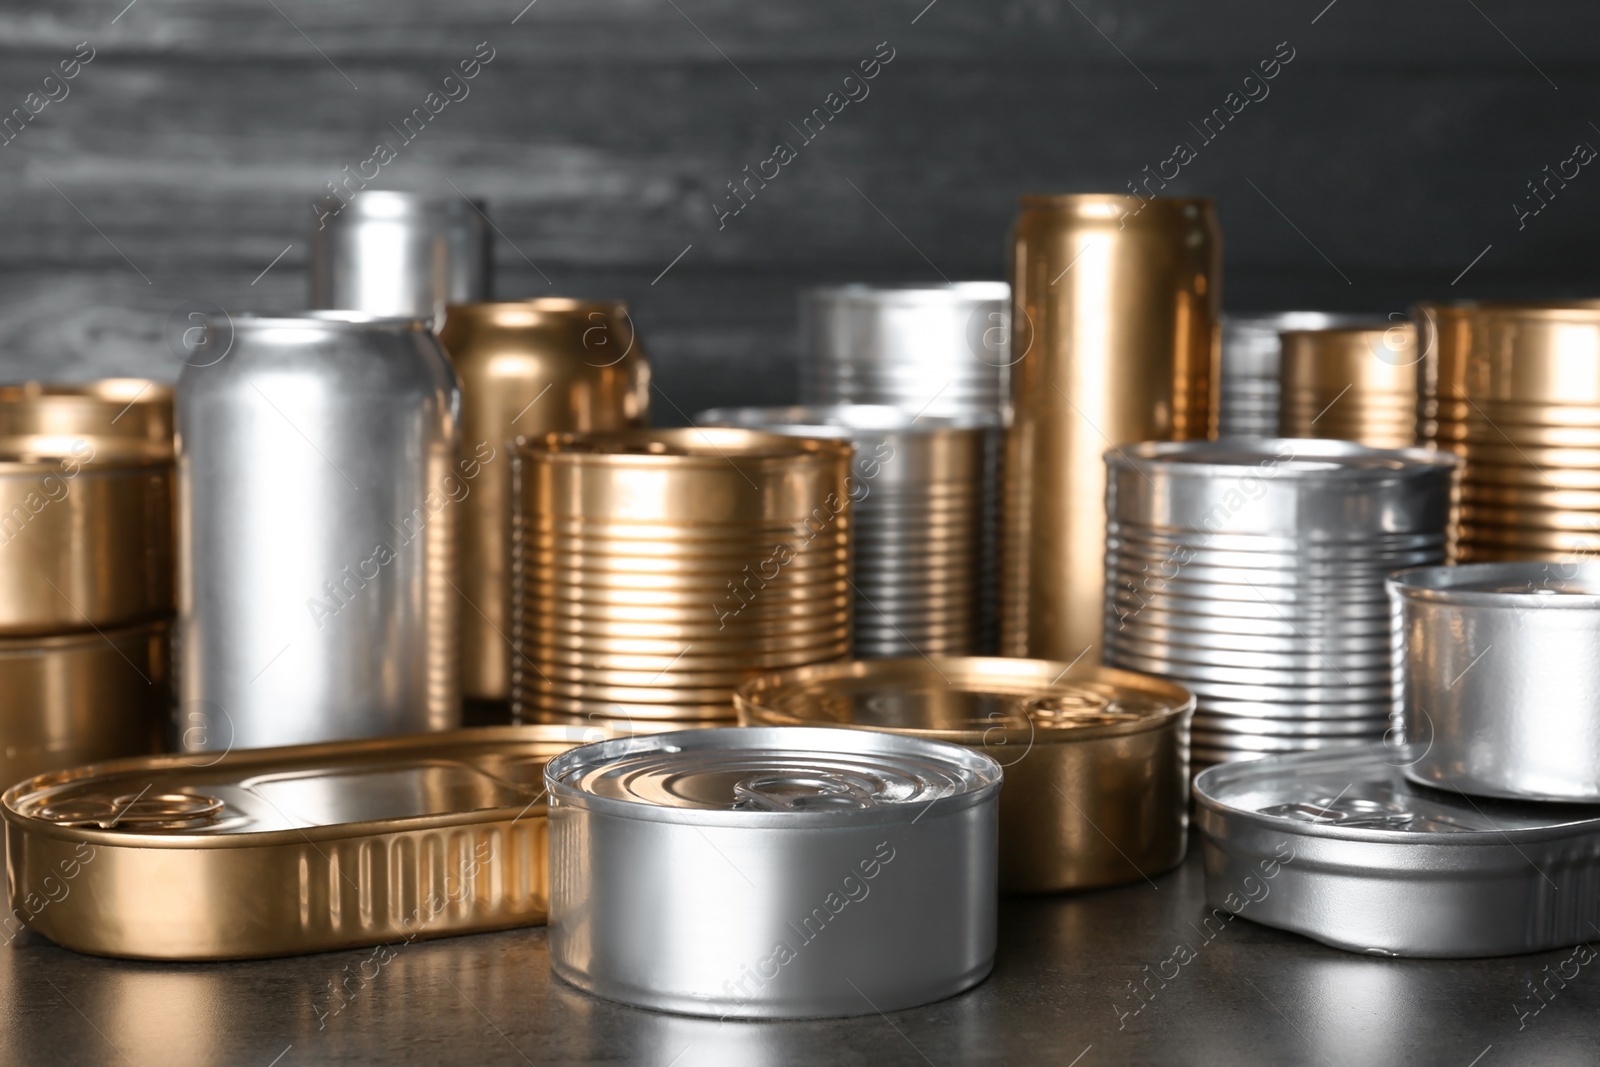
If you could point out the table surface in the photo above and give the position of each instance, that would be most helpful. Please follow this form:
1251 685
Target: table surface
1059 994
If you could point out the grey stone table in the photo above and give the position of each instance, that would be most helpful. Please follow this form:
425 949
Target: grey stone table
1060 994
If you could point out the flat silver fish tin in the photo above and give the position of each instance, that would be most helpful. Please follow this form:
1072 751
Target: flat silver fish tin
773 872
1341 847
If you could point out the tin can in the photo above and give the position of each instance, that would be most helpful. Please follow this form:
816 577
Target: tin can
85 534
117 413
302 849
318 485
929 349
399 254
1096 760
1114 341
919 492
1502 678
652 569
782 873
1251 360
1514 389
527 368
81 697
1352 383
1341 847
1251 572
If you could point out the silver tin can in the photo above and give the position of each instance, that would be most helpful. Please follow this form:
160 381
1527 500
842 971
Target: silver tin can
1502 678
784 872
1251 361
918 493
317 487
1251 571
933 349
1341 847
388 253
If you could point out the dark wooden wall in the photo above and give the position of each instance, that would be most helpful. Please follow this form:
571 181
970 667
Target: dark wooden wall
184 157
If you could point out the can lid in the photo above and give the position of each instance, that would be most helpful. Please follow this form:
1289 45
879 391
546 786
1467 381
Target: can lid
772 777
1362 794
972 700
1513 586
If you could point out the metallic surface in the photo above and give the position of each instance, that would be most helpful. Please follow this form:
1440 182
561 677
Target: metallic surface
1514 389
653 568
773 873
1294 646
85 534
1342 848
77 698
526 368
1354 384
1250 366
919 492
300 849
399 254
120 411
1114 341
1096 760
1502 678
318 492
931 349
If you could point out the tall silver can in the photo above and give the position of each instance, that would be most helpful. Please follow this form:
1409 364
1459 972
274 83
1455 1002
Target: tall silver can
317 485
388 253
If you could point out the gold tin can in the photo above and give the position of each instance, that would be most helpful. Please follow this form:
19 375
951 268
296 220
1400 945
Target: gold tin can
82 697
1096 760
85 534
1114 340
132 412
1514 390
300 849
654 569
1353 384
527 368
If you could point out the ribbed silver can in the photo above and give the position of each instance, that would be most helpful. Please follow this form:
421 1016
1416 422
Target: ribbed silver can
1251 571
318 484
933 349
1251 358
918 488
388 253
782 872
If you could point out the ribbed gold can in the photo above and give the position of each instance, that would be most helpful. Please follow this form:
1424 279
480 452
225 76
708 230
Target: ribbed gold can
1514 390
527 368
1352 384
131 412
1114 340
653 570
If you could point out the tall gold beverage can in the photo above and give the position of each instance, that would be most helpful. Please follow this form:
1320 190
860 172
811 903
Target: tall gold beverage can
527 368
1114 340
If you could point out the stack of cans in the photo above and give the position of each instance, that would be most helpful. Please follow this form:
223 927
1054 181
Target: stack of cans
1353 383
918 491
930 350
1514 390
1250 367
652 570
1251 572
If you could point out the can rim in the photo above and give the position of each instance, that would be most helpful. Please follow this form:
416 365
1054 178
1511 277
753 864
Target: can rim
911 292
845 421
1453 585
325 319
394 204
1192 458
982 771
685 447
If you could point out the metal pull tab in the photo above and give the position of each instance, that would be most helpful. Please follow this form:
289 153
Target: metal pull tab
133 811
799 792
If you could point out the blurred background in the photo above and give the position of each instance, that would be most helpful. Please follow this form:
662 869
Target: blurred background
1389 159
